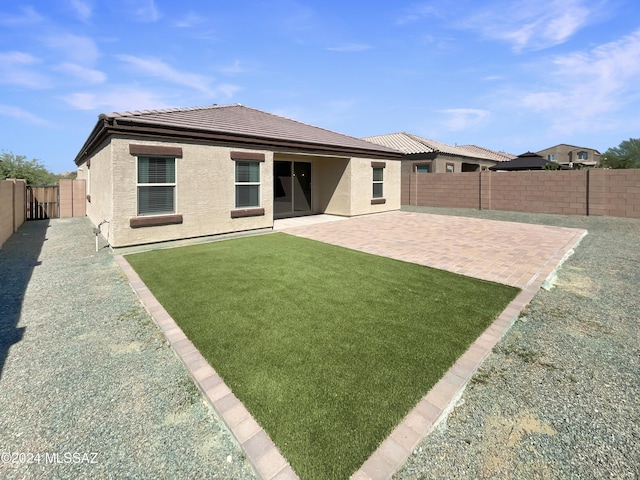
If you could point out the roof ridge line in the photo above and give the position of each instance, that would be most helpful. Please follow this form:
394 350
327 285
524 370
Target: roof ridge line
298 121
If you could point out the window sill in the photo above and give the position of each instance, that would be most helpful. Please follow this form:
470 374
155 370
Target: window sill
378 201
155 220
247 212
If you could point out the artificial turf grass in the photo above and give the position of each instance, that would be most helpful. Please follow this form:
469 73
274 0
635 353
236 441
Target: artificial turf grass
328 348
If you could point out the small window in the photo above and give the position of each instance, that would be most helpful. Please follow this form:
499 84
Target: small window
156 185
423 168
247 184
583 155
378 179
449 167
551 157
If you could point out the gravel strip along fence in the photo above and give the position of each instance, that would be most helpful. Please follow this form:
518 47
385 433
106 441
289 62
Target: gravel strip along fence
89 388
558 397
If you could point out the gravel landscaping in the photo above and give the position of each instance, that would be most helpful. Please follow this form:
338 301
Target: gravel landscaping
92 390
85 371
558 398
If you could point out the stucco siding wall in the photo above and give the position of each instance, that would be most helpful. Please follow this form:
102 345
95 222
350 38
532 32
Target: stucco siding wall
99 189
332 186
362 186
205 194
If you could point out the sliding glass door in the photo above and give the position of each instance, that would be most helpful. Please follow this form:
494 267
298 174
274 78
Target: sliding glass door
291 188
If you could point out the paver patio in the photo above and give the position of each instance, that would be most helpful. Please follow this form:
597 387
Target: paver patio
516 254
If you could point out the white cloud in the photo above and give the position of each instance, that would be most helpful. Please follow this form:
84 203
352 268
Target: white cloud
585 86
17 58
82 9
233 69
225 90
143 10
116 98
531 24
458 119
418 12
350 47
76 48
85 75
190 20
28 17
157 68
21 114
18 68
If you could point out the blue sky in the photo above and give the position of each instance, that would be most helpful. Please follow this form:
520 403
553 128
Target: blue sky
512 75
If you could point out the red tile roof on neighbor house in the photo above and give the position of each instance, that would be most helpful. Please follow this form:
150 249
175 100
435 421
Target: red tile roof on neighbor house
230 124
410 144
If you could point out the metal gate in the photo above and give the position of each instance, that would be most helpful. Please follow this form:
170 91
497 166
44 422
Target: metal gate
42 202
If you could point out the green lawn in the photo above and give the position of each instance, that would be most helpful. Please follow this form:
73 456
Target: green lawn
327 347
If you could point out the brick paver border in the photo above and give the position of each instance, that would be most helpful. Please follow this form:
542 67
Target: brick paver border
260 450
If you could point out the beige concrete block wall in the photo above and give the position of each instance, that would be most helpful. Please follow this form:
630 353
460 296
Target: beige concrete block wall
12 207
560 192
459 190
6 210
19 203
205 194
79 192
614 193
573 192
72 197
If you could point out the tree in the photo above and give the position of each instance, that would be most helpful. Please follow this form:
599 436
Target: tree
626 155
33 171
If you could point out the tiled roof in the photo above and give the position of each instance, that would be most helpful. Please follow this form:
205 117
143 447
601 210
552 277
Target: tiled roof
232 123
410 144
497 156
524 161
401 141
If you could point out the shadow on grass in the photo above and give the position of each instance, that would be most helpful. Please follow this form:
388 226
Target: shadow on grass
18 257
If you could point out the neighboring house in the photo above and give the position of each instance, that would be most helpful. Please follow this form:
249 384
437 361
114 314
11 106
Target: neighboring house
570 155
526 161
428 156
163 175
422 155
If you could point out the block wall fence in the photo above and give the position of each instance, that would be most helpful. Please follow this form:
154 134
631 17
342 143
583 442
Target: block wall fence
12 207
614 193
13 203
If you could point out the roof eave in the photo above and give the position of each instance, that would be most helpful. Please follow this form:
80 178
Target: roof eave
107 126
97 135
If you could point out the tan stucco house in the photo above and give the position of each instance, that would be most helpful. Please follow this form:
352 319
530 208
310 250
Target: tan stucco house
162 175
571 155
422 155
